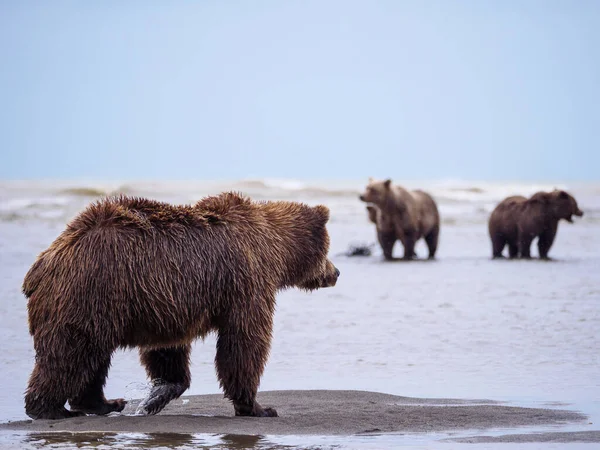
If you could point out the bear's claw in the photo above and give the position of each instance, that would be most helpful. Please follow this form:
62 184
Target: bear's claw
254 411
57 414
101 409
159 397
269 412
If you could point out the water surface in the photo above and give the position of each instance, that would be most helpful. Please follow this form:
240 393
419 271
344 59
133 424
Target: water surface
462 326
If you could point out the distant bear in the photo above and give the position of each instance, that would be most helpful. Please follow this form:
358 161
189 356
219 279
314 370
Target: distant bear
402 215
385 228
130 272
517 221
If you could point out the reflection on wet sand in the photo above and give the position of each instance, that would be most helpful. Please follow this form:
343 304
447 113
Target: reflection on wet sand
148 440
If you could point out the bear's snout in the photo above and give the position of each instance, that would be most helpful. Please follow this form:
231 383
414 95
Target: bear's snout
327 278
577 213
331 278
362 197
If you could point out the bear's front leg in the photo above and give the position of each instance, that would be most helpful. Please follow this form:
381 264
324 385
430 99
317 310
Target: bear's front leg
387 239
169 370
242 352
545 242
525 245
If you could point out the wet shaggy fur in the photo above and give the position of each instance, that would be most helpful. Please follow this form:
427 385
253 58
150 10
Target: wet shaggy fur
517 221
402 215
130 272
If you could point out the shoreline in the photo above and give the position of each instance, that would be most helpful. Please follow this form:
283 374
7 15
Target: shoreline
329 412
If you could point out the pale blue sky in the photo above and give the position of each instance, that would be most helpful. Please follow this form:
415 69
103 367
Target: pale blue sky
484 90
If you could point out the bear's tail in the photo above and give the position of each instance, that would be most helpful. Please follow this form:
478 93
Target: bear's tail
35 276
43 269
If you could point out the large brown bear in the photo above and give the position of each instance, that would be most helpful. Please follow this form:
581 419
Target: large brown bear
385 227
402 215
130 272
517 221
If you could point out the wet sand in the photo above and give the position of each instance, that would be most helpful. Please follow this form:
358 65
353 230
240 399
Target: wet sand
321 412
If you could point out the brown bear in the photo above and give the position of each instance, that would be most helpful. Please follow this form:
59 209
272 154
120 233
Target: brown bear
385 228
517 221
132 272
402 215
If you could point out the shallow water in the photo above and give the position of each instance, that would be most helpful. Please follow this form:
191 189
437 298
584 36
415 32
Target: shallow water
239 442
462 326
132 441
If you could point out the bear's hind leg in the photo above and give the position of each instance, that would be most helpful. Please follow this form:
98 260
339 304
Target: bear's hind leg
242 353
91 400
66 362
169 371
432 241
525 246
45 397
498 244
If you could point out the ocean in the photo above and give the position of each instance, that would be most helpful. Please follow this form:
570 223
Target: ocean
462 326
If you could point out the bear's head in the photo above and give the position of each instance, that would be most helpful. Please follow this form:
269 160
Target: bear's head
322 273
564 206
376 192
305 242
558 204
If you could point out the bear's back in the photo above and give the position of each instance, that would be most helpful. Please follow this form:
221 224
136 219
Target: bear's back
506 214
143 214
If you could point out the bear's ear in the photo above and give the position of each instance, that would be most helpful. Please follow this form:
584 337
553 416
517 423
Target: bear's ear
387 183
562 195
322 213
